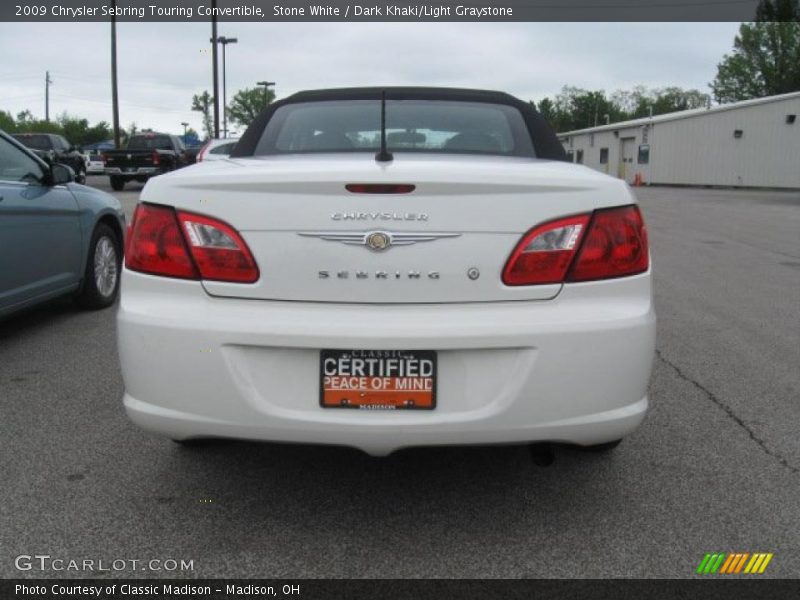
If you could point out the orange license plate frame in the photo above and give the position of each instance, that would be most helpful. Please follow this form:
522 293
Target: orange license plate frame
378 379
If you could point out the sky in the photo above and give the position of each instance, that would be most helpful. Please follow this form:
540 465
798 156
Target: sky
161 65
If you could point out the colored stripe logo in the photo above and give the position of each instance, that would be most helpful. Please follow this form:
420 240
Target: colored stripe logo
732 563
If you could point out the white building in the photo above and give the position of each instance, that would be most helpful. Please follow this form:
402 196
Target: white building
751 143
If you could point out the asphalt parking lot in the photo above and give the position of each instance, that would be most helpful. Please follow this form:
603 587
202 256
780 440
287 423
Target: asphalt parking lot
715 467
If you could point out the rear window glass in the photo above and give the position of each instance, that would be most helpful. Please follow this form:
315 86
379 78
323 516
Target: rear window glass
37 142
448 127
222 148
148 142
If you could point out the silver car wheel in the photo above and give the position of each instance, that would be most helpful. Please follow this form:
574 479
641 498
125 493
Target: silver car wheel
105 266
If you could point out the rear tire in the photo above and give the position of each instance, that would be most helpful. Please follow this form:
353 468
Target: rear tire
191 443
103 268
600 448
117 183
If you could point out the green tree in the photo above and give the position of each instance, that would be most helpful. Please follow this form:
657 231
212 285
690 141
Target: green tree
27 123
628 101
128 133
576 108
75 129
100 132
24 117
766 55
203 103
777 10
548 111
666 100
246 104
7 122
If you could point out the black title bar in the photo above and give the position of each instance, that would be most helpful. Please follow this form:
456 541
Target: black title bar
377 10
732 588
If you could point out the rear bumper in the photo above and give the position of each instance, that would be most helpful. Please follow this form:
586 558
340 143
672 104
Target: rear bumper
132 172
574 369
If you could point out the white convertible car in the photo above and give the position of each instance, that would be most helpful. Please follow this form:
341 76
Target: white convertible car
385 268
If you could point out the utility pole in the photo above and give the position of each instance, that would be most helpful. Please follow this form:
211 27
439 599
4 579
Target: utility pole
47 82
215 68
185 125
114 91
266 85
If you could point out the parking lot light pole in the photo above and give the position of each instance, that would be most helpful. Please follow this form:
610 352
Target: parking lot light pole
114 89
185 125
266 85
215 66
225 41
47 83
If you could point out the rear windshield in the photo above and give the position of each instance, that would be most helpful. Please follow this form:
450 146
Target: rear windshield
223 148
411 126
37 142
150 142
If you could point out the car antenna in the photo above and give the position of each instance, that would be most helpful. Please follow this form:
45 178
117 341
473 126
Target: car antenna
383 155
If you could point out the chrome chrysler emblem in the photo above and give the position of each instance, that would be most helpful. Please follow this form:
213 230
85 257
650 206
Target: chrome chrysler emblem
377 240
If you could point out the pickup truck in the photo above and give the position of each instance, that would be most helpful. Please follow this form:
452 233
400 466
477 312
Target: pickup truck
54 149
147 155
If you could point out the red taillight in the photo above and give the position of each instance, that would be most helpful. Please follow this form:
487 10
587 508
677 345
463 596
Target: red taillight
218 250
380 188
188 246
615 246
546 252
608 243
156 245
156 157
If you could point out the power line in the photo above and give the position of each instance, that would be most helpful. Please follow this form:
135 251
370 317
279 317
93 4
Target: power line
101 81
12 78
108 103
13 73
19 97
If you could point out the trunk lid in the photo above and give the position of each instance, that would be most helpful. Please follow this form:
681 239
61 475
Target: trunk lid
448 240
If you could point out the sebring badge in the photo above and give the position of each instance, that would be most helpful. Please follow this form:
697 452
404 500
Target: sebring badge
377 241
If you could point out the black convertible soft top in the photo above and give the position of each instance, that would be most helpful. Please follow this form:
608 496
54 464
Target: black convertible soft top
545 142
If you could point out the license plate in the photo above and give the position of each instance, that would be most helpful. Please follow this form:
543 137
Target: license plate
378 379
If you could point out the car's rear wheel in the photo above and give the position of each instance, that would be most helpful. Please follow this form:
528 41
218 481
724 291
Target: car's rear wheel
103 265
193 442
117 183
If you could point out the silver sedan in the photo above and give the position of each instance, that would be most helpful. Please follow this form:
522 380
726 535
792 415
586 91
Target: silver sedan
56 237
